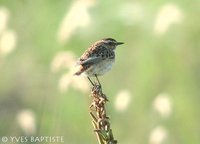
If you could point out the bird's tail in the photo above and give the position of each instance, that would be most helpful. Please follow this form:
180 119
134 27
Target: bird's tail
78 73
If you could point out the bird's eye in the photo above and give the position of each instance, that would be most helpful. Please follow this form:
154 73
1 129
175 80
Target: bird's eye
110 43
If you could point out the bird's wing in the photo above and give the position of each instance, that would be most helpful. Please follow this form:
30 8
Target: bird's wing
91 55
91 60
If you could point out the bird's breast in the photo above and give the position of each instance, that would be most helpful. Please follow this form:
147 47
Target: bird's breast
100 68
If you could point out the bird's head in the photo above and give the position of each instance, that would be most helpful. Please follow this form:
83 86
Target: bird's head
110 43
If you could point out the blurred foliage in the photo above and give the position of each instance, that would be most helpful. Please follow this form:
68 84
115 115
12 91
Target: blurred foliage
147 65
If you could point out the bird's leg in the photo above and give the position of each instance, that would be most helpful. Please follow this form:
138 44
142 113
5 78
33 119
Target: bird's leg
90 81
98 80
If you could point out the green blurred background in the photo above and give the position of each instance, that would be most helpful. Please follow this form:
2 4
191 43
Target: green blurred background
158 68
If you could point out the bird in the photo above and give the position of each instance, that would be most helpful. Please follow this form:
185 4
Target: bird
98 58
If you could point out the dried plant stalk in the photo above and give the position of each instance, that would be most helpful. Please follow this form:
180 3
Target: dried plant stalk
100 120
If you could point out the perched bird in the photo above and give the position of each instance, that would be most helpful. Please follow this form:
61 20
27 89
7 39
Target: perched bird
98 58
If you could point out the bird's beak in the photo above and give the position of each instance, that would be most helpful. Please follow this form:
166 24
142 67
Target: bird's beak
119 43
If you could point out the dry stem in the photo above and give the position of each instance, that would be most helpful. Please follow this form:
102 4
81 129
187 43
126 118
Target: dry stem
100 120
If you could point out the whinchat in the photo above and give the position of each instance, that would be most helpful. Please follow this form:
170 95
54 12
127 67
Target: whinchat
98 58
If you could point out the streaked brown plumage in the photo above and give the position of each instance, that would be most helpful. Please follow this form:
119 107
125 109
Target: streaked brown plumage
98 58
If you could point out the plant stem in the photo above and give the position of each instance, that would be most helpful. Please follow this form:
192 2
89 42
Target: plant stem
100 120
